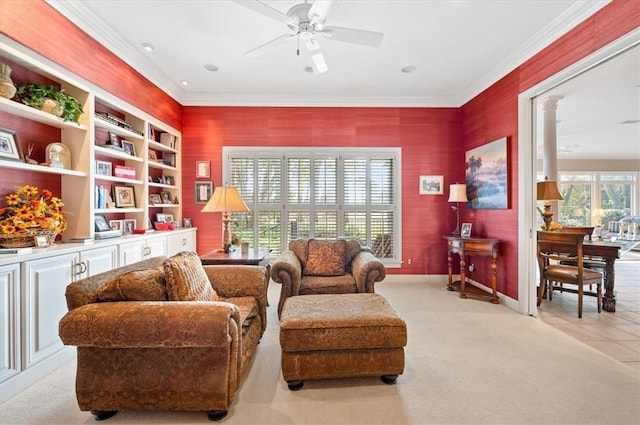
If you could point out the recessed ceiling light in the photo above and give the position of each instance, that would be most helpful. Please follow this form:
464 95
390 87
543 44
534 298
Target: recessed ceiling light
211 67
408 69
148 47
184 82
308 69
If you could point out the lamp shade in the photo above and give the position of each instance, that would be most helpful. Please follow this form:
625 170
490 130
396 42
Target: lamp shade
458 192
225 199
548 191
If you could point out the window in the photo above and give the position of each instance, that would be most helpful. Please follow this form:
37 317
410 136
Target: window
317 193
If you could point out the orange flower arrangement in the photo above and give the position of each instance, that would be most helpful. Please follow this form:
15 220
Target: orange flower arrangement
30 210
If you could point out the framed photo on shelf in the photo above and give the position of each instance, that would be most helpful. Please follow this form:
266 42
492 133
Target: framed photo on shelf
41 240
187 223
129 147
9 146
153 155
104 168
155 199
164 218
169 158
113 140
124 196
166 198
116 225
128 225
465 230
169 180
431 185
203 191
101 223
203 169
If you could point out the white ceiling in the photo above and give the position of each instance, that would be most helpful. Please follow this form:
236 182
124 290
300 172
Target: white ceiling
459 48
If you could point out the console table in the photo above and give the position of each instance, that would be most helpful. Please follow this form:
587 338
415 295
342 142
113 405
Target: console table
472 247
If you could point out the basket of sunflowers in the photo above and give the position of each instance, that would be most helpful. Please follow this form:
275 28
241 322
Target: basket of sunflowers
30 213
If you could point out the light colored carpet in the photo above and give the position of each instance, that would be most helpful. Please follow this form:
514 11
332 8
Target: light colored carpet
467 362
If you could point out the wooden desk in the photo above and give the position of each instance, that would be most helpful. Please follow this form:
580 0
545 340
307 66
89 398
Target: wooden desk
608 251
472 247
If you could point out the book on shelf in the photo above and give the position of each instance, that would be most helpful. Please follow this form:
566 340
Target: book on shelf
25 250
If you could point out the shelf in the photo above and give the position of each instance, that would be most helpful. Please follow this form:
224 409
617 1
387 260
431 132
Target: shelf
116 129
16 165
161 166
164 205
19 109
156 146
111 153
166 186
118 210
119 179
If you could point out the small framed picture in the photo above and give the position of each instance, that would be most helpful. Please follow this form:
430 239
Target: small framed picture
103 168
164 218
124 196
41 240
116 225
186 222
431 185
166 198
129 147
101 223
169 159
203 190
465 231
113 140
128 225
9 146
203 169
153 155
169 180
155 199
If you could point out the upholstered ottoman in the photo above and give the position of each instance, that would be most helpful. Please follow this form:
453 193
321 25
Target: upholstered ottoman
341 335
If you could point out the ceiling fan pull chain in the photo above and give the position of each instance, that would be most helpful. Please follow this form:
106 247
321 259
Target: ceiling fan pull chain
298 45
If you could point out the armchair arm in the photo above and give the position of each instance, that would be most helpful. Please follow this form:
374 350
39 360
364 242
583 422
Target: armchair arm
367 270
287 270
141 324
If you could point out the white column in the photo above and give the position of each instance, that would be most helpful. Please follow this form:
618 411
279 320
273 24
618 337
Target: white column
550 147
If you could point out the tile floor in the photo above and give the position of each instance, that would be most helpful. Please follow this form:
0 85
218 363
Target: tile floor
616 334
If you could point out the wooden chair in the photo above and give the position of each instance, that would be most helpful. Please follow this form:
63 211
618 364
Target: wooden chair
556 247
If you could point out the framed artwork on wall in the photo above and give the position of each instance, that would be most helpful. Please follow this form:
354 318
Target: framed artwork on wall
203 190
203 169
431 185
486 170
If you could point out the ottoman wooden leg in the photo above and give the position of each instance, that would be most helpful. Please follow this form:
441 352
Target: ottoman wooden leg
295 385
389 379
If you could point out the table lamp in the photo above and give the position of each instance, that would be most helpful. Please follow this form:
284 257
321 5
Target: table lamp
457 194
548 191
225 199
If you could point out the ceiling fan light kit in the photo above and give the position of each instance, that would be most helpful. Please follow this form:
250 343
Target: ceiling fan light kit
306 21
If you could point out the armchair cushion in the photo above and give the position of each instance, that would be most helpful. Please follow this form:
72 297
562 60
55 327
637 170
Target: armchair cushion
187 279
136 285
326 258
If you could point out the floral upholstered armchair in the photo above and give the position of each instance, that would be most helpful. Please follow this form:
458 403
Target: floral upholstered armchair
314 266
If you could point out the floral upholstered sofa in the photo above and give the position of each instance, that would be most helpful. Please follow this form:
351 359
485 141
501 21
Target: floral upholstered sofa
315 266
164 334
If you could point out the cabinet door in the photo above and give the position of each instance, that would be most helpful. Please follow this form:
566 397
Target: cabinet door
183 241
44 282
99 260
131 252
9 321
155 247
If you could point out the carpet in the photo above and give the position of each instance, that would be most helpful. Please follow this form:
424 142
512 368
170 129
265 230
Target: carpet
467 362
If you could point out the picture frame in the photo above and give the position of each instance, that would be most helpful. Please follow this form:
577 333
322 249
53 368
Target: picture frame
101 223
9 146
431 185
104 168
465 230
128 226
124 196
164 218
113 140
187 223
155 199
203 191
166 198
129 147
169 159
169 180
153 155
116 225
487 175
203 169
41 240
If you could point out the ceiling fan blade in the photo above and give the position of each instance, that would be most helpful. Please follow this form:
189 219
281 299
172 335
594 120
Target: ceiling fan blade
269 45
319 12
318 63
352 35
258 6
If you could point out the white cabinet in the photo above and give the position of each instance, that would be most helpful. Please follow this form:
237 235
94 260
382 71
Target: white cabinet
183 241
98 260
134 251
9 321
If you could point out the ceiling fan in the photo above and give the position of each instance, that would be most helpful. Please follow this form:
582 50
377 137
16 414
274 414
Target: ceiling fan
308 21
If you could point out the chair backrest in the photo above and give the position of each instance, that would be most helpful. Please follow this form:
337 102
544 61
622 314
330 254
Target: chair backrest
560 246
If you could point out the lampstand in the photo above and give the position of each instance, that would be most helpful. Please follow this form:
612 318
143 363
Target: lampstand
225 199
547 191
457 194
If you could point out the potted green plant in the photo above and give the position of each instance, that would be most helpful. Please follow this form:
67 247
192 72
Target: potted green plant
49 99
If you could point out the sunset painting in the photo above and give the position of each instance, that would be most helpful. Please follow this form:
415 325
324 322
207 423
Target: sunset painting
486 174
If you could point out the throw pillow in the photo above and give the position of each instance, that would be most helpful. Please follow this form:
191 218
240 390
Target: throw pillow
326 258
139 285
186 279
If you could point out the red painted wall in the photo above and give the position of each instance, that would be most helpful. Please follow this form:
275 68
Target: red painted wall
428 138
